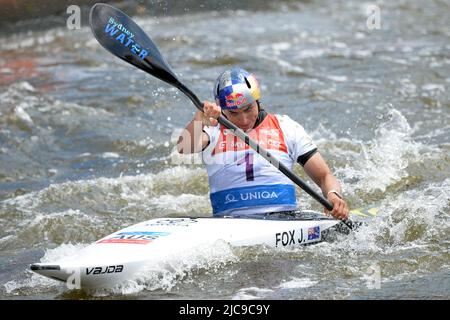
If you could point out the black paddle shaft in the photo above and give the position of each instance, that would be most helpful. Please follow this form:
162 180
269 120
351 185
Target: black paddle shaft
121 36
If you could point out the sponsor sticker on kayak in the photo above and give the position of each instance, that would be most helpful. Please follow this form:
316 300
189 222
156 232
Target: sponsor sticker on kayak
103 270
179 222
297 237
133 237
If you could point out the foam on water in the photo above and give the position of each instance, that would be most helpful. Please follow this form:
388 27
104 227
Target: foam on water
377 164
128 187
182 204
31 283
161 275
104 205
296 283
412 227
251 293
177 269
385 160
49 229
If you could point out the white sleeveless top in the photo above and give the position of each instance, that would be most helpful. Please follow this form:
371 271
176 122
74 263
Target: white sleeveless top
243 182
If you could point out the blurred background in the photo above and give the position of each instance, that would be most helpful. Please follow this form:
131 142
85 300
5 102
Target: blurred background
51 12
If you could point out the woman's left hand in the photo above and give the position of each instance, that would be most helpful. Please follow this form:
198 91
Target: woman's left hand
340 208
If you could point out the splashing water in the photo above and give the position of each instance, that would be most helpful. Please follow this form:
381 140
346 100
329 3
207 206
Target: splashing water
383 161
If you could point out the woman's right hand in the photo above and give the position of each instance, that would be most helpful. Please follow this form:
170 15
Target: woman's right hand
210 114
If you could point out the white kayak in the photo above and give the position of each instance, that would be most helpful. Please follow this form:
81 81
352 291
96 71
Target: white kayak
117 257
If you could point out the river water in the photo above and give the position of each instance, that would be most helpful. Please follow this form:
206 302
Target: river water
87 148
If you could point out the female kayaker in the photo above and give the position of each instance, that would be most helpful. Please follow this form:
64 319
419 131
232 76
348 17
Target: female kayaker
241 181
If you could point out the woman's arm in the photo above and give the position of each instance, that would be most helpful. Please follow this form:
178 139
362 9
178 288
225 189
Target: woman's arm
319 172
193 139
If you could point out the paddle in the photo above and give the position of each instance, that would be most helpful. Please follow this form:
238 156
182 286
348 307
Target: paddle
121 36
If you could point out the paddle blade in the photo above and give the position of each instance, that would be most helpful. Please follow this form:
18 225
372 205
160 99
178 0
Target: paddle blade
121 36
365 212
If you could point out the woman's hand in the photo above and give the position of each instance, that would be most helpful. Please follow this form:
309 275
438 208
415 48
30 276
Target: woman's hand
340 208
210 114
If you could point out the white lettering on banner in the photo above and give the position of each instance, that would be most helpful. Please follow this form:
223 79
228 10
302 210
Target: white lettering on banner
227 144
230 142
274 143
230 198
264 136
258 195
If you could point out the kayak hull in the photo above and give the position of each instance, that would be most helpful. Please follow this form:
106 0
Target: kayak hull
117 257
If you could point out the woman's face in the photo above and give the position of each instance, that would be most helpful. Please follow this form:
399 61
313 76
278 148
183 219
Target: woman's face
243 118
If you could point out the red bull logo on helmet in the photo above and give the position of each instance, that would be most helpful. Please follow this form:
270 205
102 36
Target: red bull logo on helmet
235 99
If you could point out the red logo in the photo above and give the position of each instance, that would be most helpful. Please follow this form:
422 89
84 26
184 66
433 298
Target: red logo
235 99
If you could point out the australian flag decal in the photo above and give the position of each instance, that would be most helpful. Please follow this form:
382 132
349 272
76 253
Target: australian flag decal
314 233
